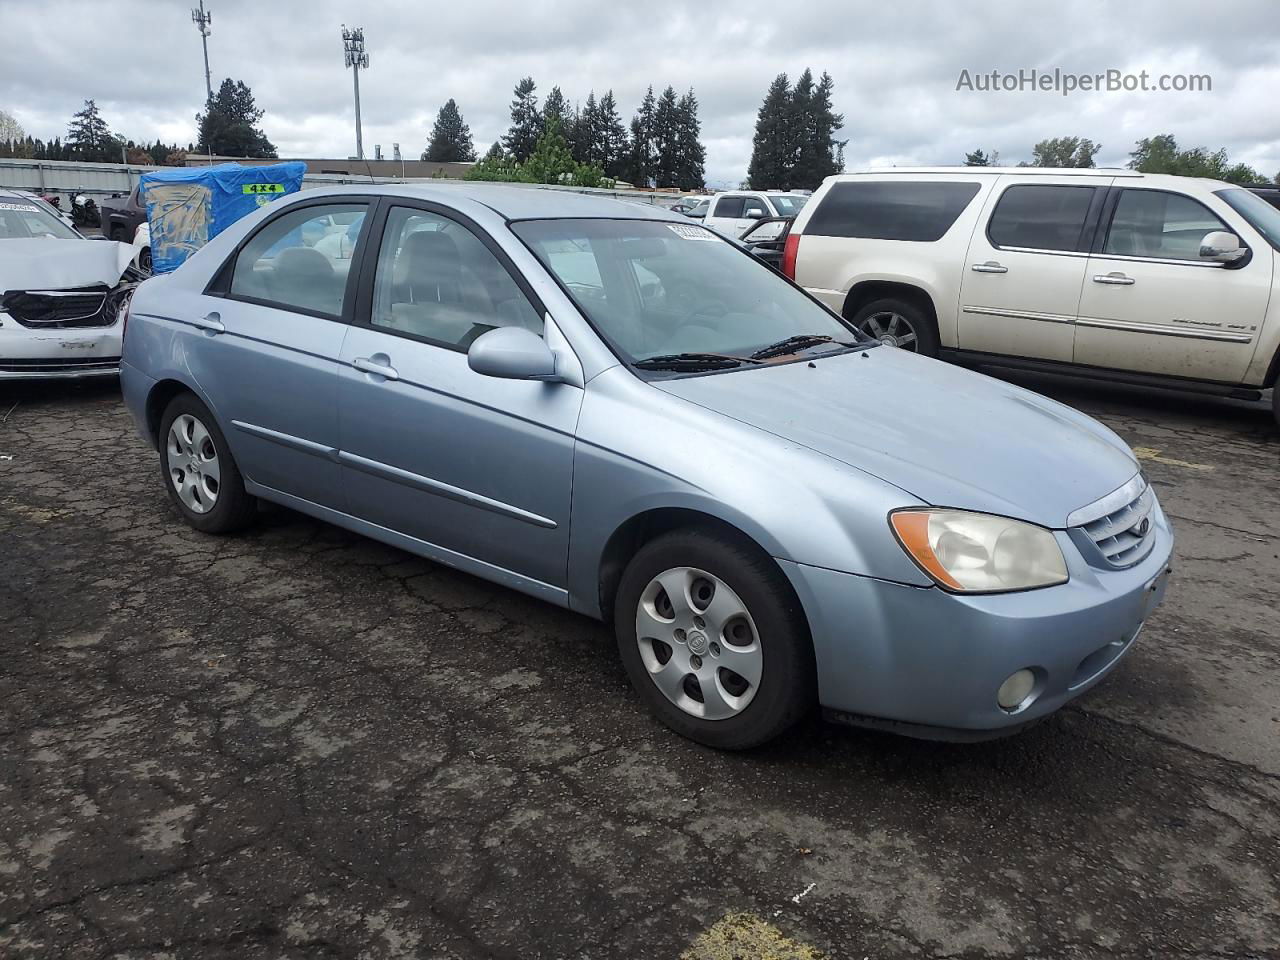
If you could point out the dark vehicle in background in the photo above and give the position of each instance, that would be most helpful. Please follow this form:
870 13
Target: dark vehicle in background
686 205
1269 194
121 216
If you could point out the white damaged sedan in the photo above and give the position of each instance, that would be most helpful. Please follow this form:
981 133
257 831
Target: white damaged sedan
62 296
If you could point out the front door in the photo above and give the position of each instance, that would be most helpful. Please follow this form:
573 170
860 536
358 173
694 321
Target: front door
270 333
1026 264
470 465
1151 304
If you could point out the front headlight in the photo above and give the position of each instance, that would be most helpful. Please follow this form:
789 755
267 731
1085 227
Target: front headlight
979 553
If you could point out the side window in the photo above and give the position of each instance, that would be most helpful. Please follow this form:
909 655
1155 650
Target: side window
730 207
1153 223
289 264
891 210
756 209
437 281
1040 217
700 210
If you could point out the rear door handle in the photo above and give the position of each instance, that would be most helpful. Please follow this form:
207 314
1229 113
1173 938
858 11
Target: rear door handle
369 365
1119 279
990 267
211 322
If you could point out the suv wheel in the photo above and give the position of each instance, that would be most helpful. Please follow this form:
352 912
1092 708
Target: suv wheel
199 472
898 323
713 639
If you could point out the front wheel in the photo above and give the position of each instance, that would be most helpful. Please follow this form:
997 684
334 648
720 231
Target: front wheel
714 640
199 473
898 323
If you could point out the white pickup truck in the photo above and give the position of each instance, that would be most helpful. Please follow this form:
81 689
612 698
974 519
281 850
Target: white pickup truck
735 212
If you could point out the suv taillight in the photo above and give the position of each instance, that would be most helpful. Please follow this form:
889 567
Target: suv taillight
789 250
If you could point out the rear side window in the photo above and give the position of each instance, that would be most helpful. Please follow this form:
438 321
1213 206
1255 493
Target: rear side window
300 261
904 210
1040 217
730 207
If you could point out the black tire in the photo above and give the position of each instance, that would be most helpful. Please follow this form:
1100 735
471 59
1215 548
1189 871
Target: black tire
1275 402
787 689
870 315
144 259
232 508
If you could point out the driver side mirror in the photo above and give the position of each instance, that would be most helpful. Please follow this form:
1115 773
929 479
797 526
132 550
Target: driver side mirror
1221 246
513 353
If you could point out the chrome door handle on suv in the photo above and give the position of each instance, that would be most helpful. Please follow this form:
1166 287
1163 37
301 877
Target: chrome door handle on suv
369 365
990 267
1116 278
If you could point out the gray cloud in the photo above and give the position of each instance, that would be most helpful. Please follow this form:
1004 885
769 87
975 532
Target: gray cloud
895 68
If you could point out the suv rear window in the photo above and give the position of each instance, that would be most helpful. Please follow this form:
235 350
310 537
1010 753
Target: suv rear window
1040 217
876 210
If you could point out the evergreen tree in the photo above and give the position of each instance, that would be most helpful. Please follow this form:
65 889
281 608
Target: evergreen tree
610 136
228 126
89 137
526 121
450 137
817 155
555 107
666 139
584 140
977 158
640 169
772 146
692 156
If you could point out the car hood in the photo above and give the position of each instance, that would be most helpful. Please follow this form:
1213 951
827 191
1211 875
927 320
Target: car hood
946 435
46 263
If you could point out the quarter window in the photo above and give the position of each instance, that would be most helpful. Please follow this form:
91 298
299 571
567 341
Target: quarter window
301 260
903 210
1154 223
1041 217
436 281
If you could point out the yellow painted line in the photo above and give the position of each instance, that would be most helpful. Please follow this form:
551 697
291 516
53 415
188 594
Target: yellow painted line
1149 453
744 936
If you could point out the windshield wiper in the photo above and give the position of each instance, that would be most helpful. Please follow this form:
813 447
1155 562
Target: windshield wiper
693 361
798 342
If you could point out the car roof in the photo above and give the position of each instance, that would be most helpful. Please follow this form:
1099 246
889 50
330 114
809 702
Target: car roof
1120 173
516 202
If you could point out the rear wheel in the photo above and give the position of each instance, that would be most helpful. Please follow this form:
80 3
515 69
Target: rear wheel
898 323
144 259
713 639
199 473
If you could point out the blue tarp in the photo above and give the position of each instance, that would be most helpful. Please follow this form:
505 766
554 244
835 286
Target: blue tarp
189 206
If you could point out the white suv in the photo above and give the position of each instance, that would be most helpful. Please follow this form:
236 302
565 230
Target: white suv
1159 280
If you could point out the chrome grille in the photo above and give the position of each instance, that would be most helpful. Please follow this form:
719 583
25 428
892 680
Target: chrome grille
1124 536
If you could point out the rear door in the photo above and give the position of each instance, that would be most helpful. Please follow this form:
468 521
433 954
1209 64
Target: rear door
1151 304
264 348
1026 264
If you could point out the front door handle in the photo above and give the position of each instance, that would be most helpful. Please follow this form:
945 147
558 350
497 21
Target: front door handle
990 267
210 322
369 365
1116 278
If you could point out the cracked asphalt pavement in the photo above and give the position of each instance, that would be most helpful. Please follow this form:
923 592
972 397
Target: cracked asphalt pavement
300 743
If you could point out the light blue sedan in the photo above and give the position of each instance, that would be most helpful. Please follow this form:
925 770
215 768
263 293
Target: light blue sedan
611 408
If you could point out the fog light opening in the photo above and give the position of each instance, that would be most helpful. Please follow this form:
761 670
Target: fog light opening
1013 693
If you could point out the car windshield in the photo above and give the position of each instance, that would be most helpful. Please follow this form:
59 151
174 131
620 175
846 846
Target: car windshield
20 220
1261 215
657 289
788 206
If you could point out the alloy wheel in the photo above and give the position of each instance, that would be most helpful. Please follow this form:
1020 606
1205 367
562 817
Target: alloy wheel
699 644
891 329
192 459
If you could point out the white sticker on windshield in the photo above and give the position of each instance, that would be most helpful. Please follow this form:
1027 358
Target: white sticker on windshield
18 206
690 232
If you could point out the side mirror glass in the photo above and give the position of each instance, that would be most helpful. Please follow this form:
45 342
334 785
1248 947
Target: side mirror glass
1221 246
512 353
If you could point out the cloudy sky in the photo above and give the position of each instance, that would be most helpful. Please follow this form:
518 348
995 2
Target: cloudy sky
895 65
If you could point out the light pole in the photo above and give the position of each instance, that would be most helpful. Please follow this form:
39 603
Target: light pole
356 59
202 21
